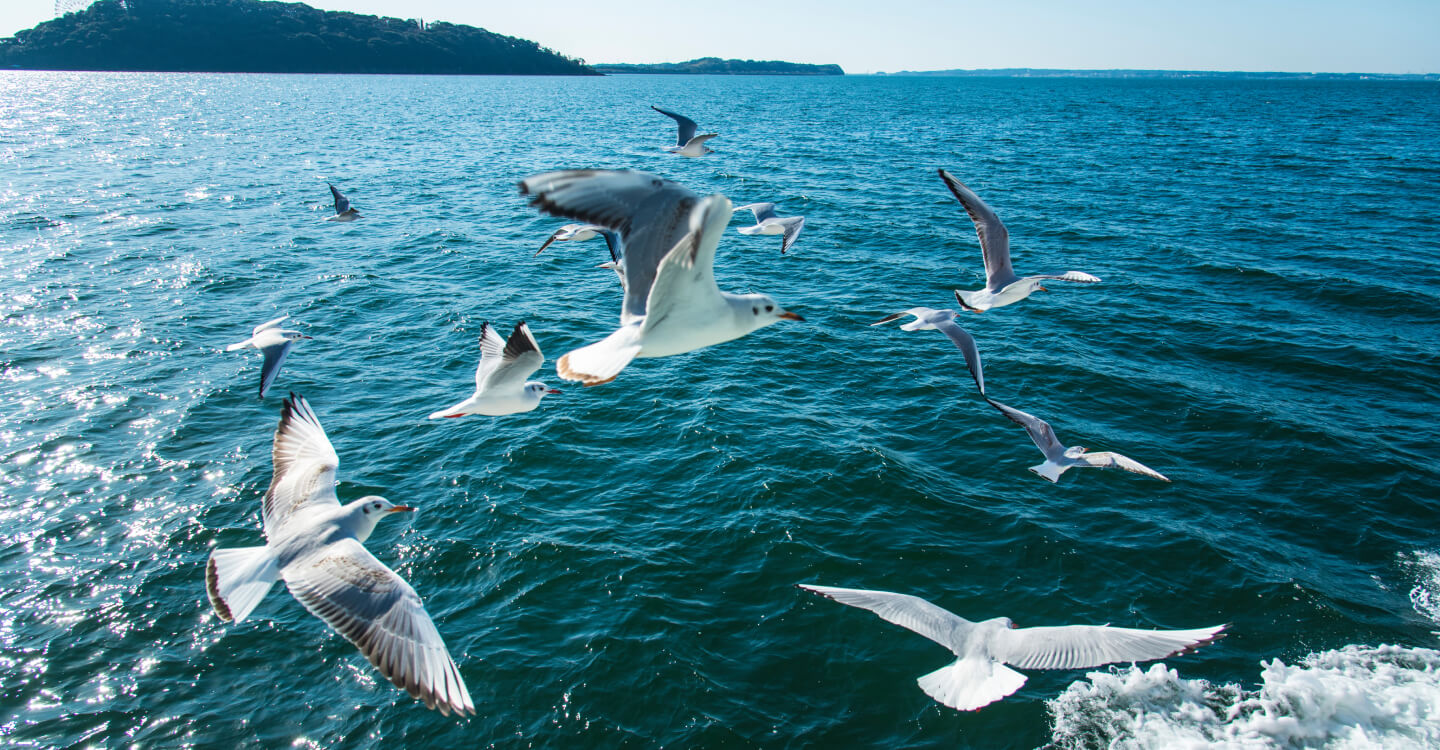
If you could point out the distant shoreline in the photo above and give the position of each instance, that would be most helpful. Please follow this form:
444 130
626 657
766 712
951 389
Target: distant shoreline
1157 74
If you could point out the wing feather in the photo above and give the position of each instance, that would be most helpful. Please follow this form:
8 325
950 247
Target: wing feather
994 238
686 126
1040 431
910 612
1085 646
1107 460
304 466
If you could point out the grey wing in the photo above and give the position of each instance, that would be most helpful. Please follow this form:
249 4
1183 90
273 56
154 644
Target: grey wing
1084 646
270 324
342 204
1107 460
994 239
966 342
701 139
304 466
274 357
1039 430
792 225
520 358
492 350
612 241
910 612
651 215
918 312
375 609
687 273
762 211
686 125
1079 277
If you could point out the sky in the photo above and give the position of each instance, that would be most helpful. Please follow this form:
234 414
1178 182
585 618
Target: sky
1341 36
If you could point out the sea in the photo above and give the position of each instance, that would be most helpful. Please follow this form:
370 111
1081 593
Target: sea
618 568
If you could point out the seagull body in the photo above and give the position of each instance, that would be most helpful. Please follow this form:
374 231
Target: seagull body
274 342
672 304
766 222
583 232
343 210
317 546
500 384
1002 285
1059 459
687 143
943 321
979 677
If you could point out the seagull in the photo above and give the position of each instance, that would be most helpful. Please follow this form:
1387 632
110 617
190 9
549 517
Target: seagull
583 232
1059 459
766 222
343 211
927 319
688 144
1002 286
979 676
672 304
317 545
500 385
275 343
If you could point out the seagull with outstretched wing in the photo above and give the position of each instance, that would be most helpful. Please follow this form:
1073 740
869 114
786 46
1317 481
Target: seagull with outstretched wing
687 143
1059 459
943 321
500 379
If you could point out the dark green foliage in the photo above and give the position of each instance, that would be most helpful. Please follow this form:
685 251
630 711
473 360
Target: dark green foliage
249 36
716 66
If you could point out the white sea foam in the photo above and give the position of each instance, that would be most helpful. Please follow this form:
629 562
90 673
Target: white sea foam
1425 596
1351 698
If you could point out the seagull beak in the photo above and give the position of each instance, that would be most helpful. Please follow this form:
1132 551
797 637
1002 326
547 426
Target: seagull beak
1043 289
402 509
308 337
551 391
791 316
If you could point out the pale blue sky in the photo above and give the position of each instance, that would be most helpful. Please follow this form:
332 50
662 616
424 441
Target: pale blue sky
1380 36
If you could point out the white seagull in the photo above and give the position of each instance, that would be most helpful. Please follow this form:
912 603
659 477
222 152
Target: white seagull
1059 459
687 143
317 545
672 304
979 676
583 232
1002 285
274 342
766 222
343 210
500 385
927 319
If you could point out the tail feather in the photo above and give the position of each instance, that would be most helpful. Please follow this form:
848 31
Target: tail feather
969 684
237 578
1049 471
600 362
237 347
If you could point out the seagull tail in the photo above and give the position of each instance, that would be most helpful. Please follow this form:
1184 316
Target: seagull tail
969 684
1049 471
237 347
600 362
237 578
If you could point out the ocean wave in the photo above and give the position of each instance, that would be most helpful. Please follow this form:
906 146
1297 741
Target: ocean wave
1353 697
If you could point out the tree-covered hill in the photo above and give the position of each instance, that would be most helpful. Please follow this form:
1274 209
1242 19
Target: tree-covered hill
250 36
716 66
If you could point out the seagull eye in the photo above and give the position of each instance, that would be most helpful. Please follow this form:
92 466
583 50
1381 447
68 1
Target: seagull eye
769 308
376 506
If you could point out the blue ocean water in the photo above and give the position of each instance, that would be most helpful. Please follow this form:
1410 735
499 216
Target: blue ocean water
617 568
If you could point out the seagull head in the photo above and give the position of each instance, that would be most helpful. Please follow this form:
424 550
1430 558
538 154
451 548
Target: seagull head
293 335
378 507
762 310
537 390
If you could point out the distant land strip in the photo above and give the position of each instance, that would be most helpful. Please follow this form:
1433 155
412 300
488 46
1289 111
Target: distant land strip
716 66
1123 73
252 36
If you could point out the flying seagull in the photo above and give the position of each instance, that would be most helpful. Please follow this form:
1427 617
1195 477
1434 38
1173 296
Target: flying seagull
274 342
979 677
766 222
927 319
1059 459
583 232
343 210
687 143
672 304
1002 286
500 384
317 545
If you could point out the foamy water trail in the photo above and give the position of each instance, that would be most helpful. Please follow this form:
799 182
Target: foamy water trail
1425 594
1354 697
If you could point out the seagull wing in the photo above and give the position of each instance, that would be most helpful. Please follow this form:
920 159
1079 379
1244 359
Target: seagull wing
1084 646
617 249
275 355
1106 460
520 357
910 612
918 312
994 239
1079 277
651 215
375 609
492 350
687 274
1039 430
342 204
305 464
269 324
793 225
762 211
966 343
686 125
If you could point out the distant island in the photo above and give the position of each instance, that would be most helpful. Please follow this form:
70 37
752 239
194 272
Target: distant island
251 36
1061 73
716 66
